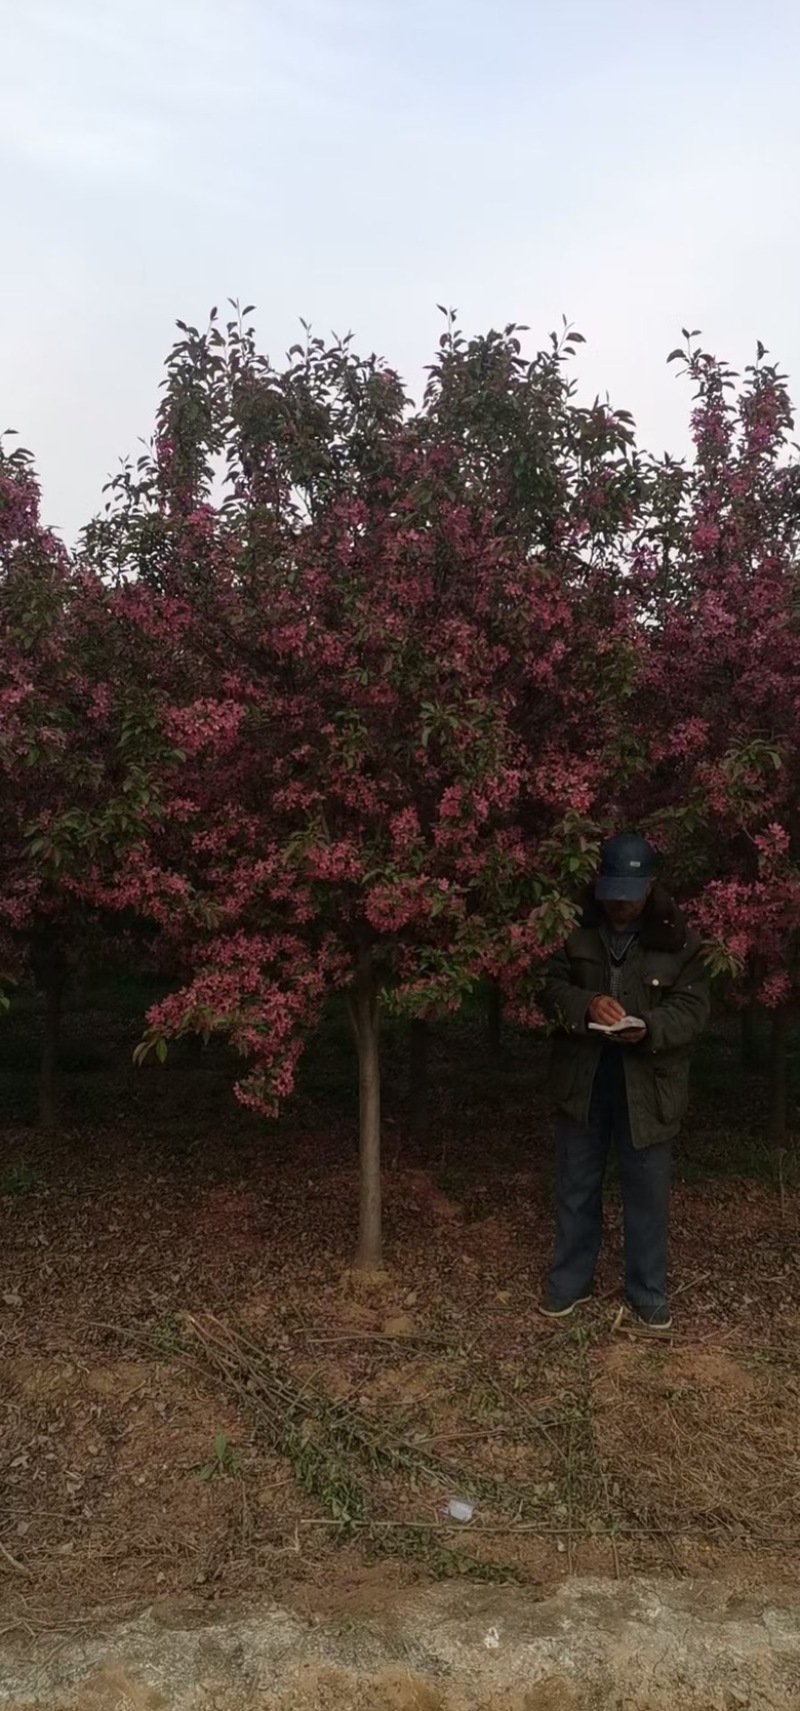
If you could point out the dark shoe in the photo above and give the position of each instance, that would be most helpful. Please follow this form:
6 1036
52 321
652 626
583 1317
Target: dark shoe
652 1318
552 1307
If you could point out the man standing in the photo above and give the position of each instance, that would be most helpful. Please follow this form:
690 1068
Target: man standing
632 955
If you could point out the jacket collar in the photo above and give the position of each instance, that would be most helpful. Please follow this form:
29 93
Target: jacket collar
663 926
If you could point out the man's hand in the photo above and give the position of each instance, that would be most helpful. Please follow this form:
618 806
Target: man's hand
606 1011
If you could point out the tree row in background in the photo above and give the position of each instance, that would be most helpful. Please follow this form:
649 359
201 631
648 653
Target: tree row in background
341 693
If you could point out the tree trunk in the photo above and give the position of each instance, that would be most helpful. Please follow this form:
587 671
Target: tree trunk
418 1043
48 1073
364 1019
494 1019
49 972
750 1036
778 1078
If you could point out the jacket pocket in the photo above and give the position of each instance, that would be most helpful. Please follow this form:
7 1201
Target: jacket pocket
563 1071
672 1092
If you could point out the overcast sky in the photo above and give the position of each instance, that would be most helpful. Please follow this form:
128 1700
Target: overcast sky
634 165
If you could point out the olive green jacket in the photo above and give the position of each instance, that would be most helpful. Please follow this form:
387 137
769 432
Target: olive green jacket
664 980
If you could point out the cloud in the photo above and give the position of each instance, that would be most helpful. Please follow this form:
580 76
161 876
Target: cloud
357 161
109 91
103 147
102 91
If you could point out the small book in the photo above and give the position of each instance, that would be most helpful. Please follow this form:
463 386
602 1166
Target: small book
620 1027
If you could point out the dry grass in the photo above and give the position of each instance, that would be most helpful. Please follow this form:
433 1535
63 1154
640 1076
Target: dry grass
167 1285
604 1455
703 1442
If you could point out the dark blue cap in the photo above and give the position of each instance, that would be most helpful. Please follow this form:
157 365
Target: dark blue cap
628 866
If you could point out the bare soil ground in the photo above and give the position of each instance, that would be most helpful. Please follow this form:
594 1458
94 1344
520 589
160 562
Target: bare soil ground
202 1405
591 1645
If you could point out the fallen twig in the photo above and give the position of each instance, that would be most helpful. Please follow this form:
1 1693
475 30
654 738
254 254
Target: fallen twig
18 1567
411 1337
691 1283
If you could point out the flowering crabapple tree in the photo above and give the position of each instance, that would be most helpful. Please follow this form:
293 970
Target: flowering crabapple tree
41 749
74 787
717 579
396 715
563 481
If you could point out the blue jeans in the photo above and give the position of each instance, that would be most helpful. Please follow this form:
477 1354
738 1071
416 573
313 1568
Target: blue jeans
581 1158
